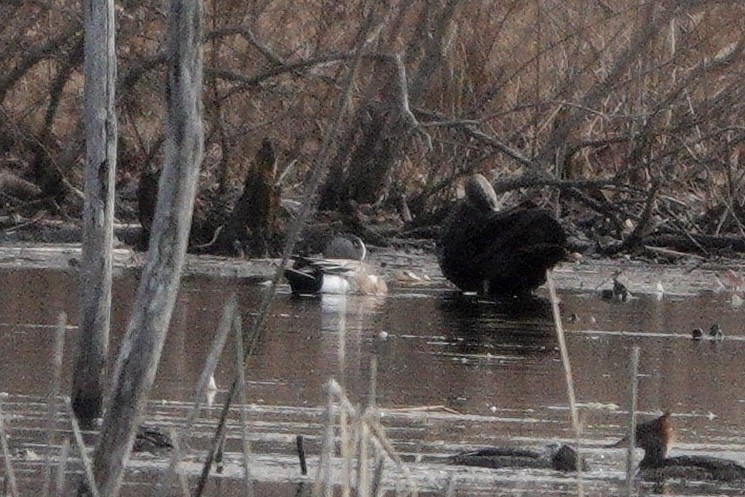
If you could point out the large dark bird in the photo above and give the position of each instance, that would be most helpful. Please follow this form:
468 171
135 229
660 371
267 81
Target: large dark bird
498 253
554 456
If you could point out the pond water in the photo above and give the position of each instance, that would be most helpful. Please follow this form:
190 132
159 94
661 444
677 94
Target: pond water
453 374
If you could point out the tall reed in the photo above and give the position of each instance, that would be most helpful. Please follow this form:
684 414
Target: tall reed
567 376
631 432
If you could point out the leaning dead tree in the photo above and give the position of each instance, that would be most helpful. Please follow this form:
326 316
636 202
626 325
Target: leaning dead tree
98 213
137 362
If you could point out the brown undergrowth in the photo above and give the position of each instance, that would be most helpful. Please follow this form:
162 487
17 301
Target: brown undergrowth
625 116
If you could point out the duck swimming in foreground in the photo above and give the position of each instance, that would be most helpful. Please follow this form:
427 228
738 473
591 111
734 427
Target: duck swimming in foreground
498 253
341 270
656 437
554 456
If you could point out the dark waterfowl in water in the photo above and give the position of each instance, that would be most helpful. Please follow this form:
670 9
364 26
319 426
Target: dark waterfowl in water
715 332
341 270
151 440
619 291
554 456
656 437
498 253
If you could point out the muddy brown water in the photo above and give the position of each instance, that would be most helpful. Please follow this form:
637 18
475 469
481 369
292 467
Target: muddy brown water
453 374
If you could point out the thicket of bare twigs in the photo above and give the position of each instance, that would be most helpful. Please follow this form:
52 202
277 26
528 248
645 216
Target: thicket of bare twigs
631 110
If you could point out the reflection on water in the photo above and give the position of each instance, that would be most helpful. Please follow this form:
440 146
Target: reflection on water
496 365
518 328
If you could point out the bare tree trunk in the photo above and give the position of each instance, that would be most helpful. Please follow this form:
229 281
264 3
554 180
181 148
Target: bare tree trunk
98 213
138 359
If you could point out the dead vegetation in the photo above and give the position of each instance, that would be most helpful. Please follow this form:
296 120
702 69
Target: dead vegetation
629 112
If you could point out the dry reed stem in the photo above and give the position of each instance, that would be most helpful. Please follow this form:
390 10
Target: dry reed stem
452 484
631 433
176 455
220 454
59 488
567 376
346 439
368 429
372 395
363 469
377 429
324 480
239 354
57 354
369 485
87 466
376 486
218 343
10 474
441 408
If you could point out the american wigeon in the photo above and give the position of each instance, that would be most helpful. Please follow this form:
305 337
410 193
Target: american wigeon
342 270
498 253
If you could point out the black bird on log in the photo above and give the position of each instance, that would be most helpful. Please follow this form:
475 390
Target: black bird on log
498 254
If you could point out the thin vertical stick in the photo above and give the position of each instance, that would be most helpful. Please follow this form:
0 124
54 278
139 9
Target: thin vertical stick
87 466
238 326
219 462
364 485
11 475
345 443
373 393
59 343
341 351
452 483
567 374
363 450
59 489
176 456
376 487
223 328
344 435
323 475
630 464
301 454
369 485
